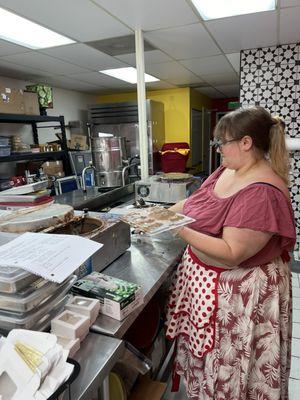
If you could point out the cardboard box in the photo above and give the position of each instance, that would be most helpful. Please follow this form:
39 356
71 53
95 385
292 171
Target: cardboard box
118 298
77 142
53 168
147 389
11 100
31 103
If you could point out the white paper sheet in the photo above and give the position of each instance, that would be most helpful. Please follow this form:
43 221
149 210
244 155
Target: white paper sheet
53 257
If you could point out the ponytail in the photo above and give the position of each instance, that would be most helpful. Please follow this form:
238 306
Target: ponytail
279 157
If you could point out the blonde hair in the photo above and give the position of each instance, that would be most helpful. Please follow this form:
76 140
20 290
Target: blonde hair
279 156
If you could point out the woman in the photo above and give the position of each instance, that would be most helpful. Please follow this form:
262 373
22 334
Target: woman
230 307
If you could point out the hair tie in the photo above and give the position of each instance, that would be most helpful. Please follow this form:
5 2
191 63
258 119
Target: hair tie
278 121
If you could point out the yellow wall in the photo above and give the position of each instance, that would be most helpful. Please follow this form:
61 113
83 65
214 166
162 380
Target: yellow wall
177 105
199 100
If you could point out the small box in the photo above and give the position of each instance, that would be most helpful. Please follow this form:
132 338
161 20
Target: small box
31 103
70 325
4 151
4 141
53 168
84 306
11 100
71 345
78 142
118 298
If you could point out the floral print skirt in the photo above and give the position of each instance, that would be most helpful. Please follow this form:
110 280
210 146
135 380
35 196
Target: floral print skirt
250 359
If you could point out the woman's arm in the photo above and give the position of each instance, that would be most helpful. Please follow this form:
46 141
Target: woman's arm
178 207
235 246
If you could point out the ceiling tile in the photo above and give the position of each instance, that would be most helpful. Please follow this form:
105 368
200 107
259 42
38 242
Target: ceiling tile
149 15
84 56
185 42
229 90
44 63
7 48
111 91
234 59
211 92
151 57
289 3
77 19
67 83
159 85
185 81
118 45
170 71
221 79
19 71
101 80
245 31
208 65
289 31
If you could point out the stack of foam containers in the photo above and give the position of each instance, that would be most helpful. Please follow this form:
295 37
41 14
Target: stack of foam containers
28 301
73 324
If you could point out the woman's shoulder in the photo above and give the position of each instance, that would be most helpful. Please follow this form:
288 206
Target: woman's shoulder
271 182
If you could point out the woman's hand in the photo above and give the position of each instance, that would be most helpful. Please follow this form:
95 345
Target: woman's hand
178 207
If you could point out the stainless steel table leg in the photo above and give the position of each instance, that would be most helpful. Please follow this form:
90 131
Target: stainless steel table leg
104 389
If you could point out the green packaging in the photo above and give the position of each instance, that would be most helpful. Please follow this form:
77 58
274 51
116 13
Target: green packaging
44 92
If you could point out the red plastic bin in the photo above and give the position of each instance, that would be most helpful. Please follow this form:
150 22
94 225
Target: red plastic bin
171 158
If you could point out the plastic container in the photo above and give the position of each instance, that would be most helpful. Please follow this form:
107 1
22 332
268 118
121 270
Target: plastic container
34 296
13 280
4 141
174 156
5 184
4 151
35 320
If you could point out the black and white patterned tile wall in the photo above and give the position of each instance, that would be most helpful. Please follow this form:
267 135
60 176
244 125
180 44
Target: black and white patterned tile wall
270 77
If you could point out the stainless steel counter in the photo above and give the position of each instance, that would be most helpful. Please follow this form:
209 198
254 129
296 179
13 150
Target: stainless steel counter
94 198
97 355
148 262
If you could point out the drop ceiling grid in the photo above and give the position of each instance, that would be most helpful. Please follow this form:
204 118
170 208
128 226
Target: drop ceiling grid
159 14
178 33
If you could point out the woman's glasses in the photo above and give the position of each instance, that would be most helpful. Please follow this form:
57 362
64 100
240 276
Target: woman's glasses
218 143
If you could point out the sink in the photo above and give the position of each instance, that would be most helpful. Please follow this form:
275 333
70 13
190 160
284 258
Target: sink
95 197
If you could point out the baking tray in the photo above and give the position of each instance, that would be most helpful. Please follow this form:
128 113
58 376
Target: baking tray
36 295
38 320
155 220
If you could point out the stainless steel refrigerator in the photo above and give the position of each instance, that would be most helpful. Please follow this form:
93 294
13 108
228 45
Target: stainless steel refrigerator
121 120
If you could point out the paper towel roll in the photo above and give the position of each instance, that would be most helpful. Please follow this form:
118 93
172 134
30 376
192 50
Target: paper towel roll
293 144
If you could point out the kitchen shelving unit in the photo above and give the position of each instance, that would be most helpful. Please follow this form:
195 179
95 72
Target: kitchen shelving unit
34 120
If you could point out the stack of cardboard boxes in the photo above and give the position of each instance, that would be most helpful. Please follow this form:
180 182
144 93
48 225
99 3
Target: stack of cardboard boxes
17 101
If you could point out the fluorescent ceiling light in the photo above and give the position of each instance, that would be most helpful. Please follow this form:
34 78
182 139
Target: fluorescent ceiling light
21 31
213 9
128 74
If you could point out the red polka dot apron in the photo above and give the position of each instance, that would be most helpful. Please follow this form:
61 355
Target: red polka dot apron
193 303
